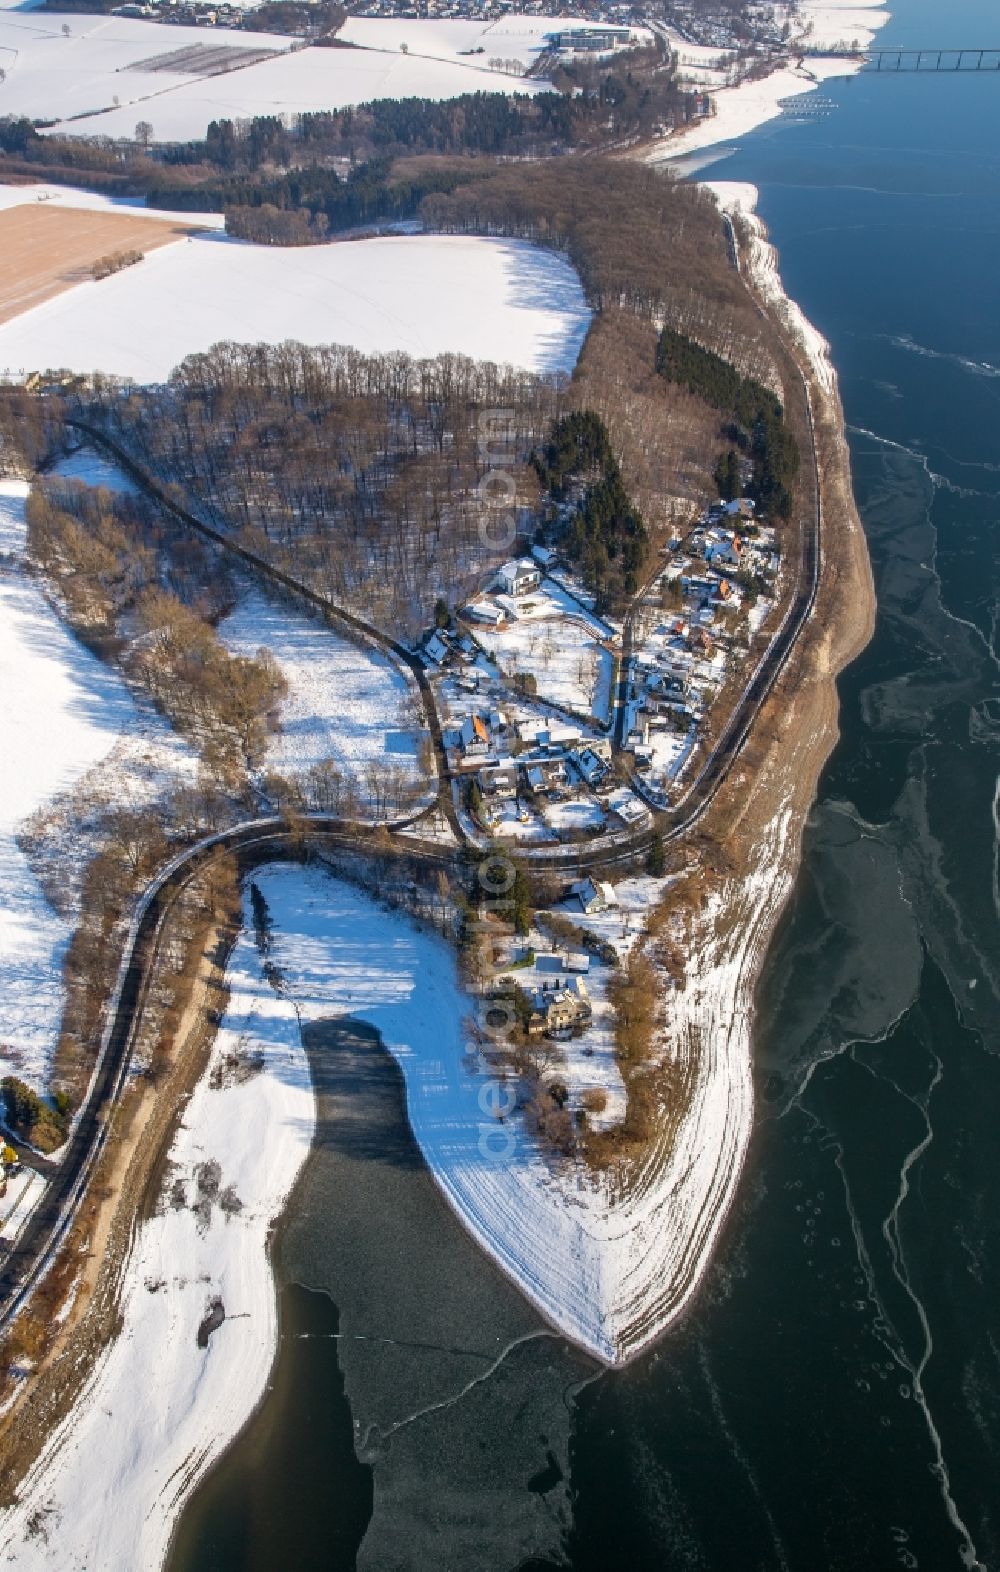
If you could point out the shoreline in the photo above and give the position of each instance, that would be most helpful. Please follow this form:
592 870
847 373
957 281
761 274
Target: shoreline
712 1017
742 108
796 748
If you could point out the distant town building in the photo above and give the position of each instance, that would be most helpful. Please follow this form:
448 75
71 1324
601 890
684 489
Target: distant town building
590 38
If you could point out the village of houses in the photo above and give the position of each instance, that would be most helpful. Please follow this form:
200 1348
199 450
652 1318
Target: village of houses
561 725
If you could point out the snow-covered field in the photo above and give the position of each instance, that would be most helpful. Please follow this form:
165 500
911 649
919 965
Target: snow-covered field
24 1191
181 107
343 704
85 79
831 24
62 714
562 658
87 82
497 300
305 82
556 640
822 24
54 75
575 813
91 469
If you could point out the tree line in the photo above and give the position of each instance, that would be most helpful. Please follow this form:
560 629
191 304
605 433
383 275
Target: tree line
756 423
358 474
593 104
117 592
114 262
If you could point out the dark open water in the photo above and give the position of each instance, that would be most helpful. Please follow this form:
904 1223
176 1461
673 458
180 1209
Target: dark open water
833 1401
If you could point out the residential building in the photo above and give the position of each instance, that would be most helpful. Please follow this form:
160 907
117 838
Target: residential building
544 556
569 1007
517 578
487 612
594 897
475 736
498 780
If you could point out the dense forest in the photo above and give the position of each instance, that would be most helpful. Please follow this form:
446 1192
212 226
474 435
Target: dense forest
303 206
360 474
755 424
602 532
649 250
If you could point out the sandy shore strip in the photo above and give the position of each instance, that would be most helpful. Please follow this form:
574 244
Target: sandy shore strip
740 108
198 1311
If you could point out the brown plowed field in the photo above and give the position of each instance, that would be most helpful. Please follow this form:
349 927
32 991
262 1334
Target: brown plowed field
44 250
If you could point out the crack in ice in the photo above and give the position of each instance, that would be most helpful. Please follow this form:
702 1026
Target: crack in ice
444 1403
885 1328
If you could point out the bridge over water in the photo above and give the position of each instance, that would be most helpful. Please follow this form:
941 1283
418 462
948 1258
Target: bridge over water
892 60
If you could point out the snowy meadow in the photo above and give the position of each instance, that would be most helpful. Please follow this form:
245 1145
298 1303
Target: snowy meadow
504 301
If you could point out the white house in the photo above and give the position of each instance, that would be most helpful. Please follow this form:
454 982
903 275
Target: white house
728 552
437 649
594 897
562 734
535 777
485 611
576 961
516 578
628 807
591 766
